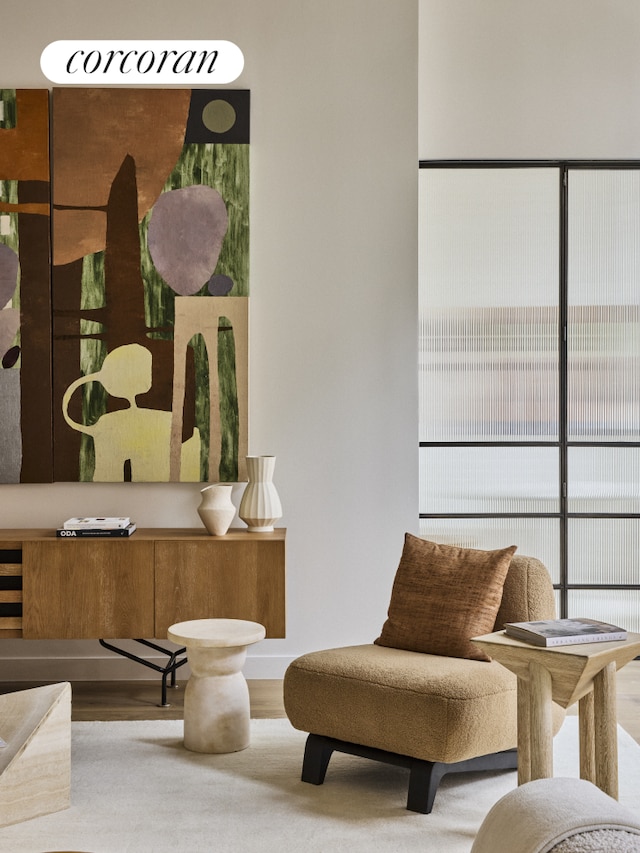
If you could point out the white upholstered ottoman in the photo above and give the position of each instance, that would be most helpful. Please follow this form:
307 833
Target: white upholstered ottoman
560 815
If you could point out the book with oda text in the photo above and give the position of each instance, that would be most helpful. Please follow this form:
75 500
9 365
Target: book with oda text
85 532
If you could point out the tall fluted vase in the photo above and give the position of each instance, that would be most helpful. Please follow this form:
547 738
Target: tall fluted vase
260 506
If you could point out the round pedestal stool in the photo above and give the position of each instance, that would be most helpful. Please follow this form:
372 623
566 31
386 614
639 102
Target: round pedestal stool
216 699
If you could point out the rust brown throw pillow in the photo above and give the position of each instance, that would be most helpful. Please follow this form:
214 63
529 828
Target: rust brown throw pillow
442 596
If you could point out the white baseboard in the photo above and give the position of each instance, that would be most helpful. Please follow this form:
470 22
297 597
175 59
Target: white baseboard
114 667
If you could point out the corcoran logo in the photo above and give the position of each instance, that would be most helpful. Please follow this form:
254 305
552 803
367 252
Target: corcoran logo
141 62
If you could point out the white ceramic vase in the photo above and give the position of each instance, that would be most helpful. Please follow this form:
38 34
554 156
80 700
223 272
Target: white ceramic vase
216 508
260 506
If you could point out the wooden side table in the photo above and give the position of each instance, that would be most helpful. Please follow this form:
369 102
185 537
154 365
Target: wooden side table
583 673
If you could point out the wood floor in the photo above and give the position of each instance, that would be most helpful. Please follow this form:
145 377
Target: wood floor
140 700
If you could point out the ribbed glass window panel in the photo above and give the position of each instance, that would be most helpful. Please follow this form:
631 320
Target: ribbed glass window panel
456 480
488 294
603 337
535 537
604 479
618 606
603 551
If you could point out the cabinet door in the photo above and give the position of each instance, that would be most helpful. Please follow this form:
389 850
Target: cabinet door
87 589
221 579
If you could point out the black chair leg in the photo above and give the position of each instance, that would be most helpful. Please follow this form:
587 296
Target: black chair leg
317 754
424 776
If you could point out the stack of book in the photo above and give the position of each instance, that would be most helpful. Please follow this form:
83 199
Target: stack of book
564 632
95 526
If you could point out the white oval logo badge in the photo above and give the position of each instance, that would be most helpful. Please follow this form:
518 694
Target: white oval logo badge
126 62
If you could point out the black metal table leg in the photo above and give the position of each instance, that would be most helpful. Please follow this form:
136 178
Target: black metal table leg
170 669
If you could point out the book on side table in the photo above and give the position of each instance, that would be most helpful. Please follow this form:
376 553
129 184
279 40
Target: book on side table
564 632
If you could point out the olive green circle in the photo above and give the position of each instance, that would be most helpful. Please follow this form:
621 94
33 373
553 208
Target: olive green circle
218 116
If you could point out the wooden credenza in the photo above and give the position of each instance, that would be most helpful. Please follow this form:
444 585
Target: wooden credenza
92 588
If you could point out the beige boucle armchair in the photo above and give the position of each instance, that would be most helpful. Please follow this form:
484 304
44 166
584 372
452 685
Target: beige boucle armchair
430 713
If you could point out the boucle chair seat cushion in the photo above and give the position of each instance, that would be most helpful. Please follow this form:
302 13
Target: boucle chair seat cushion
426 706
560 815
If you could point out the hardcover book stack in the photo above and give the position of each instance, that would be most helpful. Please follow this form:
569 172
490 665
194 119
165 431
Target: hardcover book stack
114 526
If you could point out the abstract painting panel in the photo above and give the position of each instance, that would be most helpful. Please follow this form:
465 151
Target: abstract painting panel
25 299
150 284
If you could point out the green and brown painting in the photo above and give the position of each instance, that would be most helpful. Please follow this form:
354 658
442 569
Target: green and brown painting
150 283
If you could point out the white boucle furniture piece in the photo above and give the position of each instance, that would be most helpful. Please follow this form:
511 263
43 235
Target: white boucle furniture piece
35 760
558 815
216 699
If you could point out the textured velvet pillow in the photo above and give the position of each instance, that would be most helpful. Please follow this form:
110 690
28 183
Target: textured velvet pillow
442 596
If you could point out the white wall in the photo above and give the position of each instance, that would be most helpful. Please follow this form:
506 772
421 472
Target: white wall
333 301
529 78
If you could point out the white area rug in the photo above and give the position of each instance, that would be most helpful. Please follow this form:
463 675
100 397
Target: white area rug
135 789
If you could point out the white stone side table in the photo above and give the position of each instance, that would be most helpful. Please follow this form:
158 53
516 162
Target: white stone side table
216 699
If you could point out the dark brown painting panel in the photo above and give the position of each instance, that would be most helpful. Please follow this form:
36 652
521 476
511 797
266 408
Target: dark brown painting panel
35 372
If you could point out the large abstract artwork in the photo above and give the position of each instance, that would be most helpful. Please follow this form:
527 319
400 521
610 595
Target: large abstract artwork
149 286
25 306
150 283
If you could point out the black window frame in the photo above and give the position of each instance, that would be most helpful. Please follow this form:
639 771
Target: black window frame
564 167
